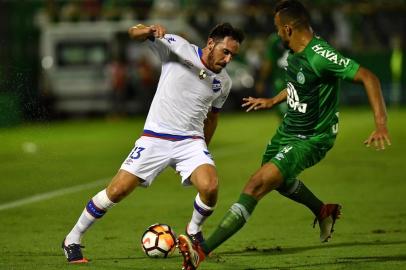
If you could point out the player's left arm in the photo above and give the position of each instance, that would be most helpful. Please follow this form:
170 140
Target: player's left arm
372 87
210 125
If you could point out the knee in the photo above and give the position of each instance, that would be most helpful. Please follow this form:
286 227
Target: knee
122 184
208 192
209 187
116 193
261 184
288 186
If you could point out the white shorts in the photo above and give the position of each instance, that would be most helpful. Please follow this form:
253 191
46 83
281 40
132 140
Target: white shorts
151 156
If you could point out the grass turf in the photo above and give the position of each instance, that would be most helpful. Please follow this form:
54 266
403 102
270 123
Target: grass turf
40 158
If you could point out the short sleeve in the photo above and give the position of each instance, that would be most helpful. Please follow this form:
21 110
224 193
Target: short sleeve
163 47
332 63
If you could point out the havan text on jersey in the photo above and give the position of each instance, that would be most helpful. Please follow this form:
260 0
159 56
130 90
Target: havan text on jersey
330 55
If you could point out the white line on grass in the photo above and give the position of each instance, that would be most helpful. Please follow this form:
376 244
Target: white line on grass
221 153
52 194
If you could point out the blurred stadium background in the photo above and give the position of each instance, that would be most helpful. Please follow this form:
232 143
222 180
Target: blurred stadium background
63 58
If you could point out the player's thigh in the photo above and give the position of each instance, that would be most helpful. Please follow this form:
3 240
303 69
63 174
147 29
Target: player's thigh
188 156
148 158
296 156
272 148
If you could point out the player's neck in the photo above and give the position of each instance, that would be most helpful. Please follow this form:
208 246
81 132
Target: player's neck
301 39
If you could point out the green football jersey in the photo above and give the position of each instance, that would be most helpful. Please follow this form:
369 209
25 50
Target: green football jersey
312 79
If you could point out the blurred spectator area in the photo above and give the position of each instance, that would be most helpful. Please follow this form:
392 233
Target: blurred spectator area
98 65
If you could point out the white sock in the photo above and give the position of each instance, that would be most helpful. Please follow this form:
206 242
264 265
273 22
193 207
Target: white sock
95 209
200 213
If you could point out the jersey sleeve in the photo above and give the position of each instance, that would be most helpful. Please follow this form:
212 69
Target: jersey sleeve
332 63
220 100
170 42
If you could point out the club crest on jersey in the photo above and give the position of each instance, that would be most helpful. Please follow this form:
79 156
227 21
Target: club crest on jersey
216 86
300 77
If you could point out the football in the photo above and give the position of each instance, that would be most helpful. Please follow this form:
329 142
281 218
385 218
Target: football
158 241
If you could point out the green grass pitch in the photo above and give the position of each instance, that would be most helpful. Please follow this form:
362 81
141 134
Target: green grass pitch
43 158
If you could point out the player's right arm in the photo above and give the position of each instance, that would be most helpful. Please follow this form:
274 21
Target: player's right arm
264 103
141 32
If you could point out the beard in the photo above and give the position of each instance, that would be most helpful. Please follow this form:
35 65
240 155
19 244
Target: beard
211 63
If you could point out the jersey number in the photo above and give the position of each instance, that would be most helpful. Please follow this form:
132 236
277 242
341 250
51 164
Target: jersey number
136 153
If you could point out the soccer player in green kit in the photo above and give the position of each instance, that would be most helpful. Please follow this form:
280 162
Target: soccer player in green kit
306 133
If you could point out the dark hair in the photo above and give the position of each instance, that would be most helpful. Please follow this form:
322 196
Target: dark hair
223 30
294 12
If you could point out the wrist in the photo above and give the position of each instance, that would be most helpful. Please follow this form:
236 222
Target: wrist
380 121
272 102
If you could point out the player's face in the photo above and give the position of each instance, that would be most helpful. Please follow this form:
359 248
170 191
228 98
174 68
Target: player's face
284 31
221 53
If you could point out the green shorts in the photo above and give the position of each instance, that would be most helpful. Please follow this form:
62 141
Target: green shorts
292 154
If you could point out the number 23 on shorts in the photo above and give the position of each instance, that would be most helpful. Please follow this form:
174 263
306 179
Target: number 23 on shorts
136 153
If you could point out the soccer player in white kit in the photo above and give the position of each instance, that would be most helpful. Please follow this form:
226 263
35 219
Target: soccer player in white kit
180 124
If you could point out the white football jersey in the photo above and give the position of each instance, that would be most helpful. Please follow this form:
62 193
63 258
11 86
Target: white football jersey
183 98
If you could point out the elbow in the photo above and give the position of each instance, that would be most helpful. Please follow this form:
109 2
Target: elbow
367 77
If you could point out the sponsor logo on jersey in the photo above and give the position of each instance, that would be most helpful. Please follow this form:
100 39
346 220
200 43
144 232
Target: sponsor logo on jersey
284 150
293 99
279 156
216 86
331 55
208 154
188 64
128 161
170 39
202 74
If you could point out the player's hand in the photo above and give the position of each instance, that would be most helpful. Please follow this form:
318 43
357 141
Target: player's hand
257 103
378 138
142 32
157 30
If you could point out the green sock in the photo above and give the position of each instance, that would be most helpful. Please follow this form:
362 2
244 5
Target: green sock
301 194
233 221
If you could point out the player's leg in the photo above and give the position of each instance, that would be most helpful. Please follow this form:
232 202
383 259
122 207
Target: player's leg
297 191
325 214
302 155
267 178
205 180
136 169
195 165
122 184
